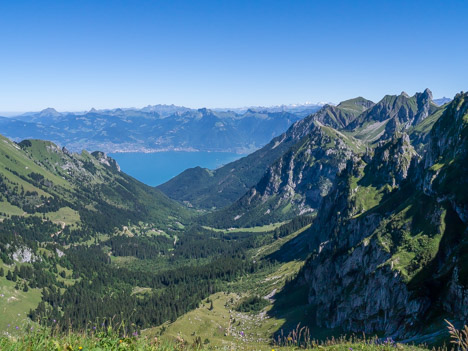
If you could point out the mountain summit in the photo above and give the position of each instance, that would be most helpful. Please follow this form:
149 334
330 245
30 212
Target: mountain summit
49 112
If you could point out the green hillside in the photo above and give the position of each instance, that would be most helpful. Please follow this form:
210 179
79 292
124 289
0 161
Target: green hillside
38 178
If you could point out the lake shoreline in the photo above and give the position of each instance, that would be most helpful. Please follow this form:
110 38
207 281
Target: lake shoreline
156 168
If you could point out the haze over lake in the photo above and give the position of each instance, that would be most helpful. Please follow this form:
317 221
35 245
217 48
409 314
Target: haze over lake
158 167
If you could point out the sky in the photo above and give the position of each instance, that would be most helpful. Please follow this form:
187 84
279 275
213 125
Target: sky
74 55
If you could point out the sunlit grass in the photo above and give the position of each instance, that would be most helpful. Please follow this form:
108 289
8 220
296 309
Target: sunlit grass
32 338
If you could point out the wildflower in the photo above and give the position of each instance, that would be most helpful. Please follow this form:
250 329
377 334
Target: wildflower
94 328
135 333
54 321
289 338
350 349
80 348
120 341
17 327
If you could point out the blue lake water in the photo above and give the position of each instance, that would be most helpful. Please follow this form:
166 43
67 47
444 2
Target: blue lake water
158 167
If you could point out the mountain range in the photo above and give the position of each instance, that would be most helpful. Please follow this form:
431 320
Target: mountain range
355 219
157 128
318 145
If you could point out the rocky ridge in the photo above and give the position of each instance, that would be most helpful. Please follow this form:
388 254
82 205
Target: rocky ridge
391 236
296 182
222 187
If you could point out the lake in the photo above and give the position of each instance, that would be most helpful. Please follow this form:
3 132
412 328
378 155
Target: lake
158 167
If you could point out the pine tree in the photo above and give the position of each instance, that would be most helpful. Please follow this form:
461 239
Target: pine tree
9 276
2 272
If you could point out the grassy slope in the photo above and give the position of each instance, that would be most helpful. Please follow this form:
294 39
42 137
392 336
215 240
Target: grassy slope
223 325
15 304
344 113
257 229
44 158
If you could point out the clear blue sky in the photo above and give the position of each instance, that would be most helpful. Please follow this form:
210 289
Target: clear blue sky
74 55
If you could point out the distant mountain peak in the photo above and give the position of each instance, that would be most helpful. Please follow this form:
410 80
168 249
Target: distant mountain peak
358 101
49 112
441 101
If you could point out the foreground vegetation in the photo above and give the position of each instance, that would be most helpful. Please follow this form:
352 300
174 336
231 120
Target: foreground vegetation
110 339
117 338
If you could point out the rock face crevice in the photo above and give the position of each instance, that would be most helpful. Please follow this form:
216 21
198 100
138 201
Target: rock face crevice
364 294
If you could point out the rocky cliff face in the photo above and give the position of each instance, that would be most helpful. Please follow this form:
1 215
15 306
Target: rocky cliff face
390 239
446 161
394 113
295 182
106 160
405 109
389 162
298 181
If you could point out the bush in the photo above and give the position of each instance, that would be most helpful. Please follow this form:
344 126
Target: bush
252 304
